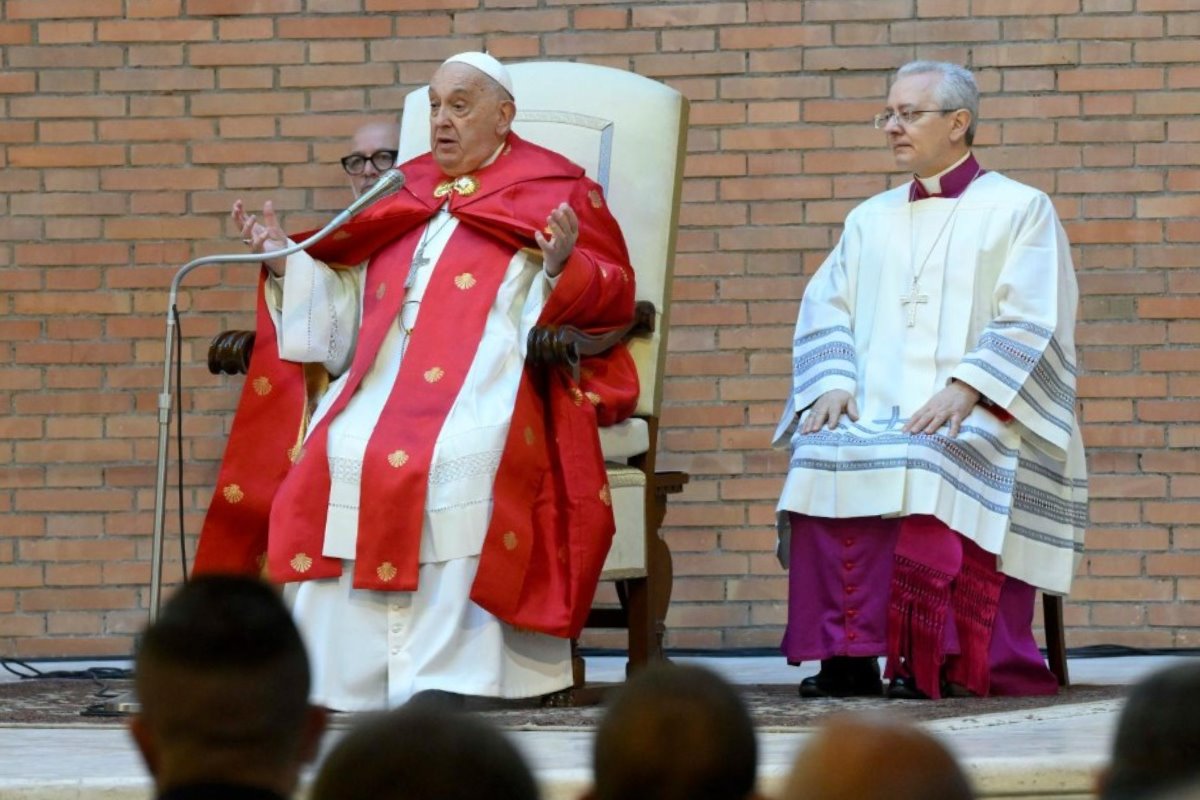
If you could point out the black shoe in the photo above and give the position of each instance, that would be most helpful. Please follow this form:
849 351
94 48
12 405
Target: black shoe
844 676
902 688
438 700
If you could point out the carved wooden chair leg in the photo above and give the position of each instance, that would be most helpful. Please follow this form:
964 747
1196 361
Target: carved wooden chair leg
634 595
1056 642
661 571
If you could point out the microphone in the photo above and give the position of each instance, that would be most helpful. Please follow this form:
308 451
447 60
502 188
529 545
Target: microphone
387 183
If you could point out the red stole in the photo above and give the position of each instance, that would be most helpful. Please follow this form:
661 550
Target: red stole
937 570
552 521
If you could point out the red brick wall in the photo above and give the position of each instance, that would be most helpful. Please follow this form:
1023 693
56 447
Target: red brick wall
127 129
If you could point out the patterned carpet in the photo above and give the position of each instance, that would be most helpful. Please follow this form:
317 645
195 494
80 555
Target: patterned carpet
51 702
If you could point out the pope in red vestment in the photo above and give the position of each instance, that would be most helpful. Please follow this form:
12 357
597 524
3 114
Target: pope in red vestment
551 520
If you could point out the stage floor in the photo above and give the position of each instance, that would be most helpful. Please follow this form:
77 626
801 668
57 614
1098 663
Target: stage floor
1034 753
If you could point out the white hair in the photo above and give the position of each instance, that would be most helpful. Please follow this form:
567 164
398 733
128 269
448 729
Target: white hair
956 89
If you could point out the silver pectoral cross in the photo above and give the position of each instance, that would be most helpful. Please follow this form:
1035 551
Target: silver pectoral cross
910 302
419 260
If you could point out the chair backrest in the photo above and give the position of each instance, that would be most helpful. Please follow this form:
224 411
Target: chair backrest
629 133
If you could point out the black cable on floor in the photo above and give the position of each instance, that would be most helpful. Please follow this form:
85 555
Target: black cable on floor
26 671
99 675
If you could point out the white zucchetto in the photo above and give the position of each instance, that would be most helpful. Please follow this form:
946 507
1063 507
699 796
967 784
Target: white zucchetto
487 65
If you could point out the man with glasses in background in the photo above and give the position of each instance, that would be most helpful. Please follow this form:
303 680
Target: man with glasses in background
373 153
937 476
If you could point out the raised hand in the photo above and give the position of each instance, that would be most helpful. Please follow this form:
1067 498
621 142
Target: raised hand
563 226
262 237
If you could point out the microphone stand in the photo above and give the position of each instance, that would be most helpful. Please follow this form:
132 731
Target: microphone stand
388 182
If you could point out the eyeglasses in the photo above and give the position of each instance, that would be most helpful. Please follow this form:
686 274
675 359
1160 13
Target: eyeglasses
355 164
906 116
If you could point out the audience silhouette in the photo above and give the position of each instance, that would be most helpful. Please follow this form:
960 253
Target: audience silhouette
223 681
675 733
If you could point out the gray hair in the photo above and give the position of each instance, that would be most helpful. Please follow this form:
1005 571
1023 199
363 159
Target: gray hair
956 89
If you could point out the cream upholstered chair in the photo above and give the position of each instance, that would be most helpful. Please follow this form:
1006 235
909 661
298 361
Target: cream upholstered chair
629 133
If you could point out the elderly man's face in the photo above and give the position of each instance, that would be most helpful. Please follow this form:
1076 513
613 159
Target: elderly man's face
469 116
935 138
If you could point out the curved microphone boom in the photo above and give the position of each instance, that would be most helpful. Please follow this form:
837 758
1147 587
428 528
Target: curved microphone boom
385 184
390 181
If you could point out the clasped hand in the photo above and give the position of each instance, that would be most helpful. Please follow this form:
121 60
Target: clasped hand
950 405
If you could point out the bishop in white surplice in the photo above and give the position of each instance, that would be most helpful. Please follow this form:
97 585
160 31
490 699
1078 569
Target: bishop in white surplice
1000 317
937 471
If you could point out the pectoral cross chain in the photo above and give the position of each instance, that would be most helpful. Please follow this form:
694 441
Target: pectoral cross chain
911 300
419 258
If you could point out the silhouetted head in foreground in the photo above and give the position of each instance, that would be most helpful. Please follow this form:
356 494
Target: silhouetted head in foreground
874 758
223 680
675 733
424 752
1157 744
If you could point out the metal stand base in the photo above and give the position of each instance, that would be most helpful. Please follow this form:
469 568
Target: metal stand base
124 704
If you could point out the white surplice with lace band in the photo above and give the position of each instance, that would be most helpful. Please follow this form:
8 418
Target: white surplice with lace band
1000 315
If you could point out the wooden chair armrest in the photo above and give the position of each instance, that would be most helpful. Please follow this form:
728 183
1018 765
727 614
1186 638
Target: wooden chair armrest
229 353
670 482
564 345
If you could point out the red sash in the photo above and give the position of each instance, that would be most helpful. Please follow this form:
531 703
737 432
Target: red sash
936 570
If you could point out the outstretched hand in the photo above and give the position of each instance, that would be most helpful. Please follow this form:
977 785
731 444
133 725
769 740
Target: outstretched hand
262 237
563 226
